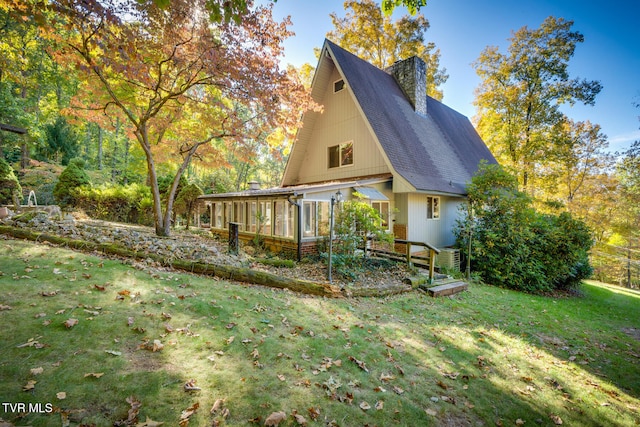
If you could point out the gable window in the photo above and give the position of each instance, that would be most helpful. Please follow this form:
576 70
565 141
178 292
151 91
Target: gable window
433 207
338 86
341 155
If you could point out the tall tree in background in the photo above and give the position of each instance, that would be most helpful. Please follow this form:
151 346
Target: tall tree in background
184 85
368 33
521 93
579 155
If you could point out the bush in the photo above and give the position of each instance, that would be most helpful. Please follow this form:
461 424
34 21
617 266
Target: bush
10 190
516 247
72 177
122 203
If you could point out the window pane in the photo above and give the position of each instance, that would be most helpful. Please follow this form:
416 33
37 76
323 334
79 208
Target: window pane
309 214
251 220
279 220
265 218
346 154
289 220
323 219
436 207
334 156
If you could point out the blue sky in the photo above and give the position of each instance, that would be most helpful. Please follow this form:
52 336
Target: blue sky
461 29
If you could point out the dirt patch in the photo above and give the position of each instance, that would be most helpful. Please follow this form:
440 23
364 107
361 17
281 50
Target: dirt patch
632 332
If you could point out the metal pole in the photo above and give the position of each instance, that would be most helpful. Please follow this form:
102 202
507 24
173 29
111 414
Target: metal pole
333 201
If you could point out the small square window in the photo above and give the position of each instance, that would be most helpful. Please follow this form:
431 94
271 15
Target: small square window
433 207
338 86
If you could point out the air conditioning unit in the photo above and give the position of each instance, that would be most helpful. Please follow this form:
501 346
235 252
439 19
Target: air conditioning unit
449 258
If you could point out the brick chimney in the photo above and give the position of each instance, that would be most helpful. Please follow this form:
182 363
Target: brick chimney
411 75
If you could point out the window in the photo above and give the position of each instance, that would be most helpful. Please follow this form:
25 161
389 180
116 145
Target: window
283 219
341 155
217 214
338 86
315 219
433 207
226 215
265 218
383 209
238 214
251 217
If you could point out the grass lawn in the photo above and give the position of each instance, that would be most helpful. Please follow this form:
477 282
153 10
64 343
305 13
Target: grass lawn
91 341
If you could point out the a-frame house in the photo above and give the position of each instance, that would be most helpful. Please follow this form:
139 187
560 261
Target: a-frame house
379 134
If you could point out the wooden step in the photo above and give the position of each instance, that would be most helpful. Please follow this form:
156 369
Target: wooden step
447 289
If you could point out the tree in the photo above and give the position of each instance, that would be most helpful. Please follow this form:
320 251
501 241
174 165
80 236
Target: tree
579 156
388 6
521 93
10 190
374 37
516 247
61 142
183 85
72 177
187 200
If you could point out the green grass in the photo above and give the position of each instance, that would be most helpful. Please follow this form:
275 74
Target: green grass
485 357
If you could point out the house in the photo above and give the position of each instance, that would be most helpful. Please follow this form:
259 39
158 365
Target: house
380 135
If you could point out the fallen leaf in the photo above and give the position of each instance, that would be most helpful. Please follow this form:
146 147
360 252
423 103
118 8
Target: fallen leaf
99 288
230 325
191 386
281 377
230 340
398 390
132 415
113 352
37 371
217 405
124 293
70 323
314 413
61 395
365 406
31 384
360 363
5 307
130 321
556 419
157 346
149 423
49 293
386 377
300 420
186 414
275 418
94 374
519 422
431 412
379 405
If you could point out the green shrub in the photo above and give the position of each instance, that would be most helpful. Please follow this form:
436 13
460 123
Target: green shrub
10 190
72 177
122 203
516 247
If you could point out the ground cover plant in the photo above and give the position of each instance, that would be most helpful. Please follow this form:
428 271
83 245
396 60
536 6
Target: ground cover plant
103 342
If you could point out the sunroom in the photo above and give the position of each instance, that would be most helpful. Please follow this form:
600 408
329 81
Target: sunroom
289 220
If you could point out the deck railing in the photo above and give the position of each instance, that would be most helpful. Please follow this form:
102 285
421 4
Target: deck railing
408 255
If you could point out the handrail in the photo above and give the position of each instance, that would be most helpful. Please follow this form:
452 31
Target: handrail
433 251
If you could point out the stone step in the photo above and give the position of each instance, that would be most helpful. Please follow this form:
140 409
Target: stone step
447 289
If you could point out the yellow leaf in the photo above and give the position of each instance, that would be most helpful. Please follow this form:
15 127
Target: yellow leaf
61 395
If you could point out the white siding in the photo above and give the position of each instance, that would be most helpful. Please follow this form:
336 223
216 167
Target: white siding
437 232
340 122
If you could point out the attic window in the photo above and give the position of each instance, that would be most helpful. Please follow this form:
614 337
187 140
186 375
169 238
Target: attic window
341 155
338 86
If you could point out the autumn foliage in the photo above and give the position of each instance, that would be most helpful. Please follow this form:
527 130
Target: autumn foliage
184 86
